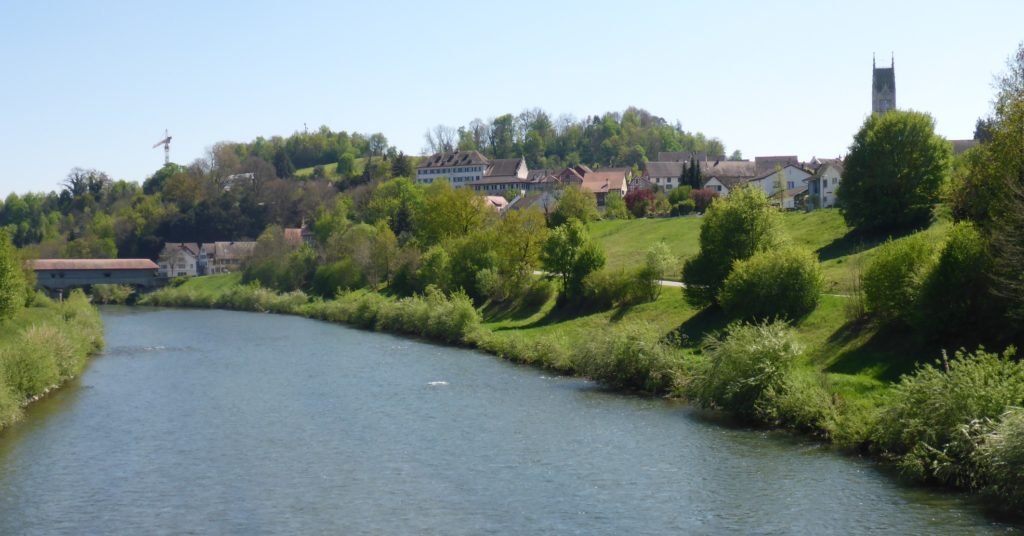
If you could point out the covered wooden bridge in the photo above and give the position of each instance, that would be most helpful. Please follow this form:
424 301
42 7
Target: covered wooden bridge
55 275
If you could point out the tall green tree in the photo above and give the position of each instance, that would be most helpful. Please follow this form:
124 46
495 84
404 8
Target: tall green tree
570 253
894 171
574 203
283 164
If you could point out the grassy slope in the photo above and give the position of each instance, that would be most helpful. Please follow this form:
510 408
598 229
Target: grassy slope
822 231
332 169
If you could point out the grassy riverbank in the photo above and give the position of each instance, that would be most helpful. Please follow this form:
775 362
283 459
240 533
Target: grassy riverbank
42 347
833 373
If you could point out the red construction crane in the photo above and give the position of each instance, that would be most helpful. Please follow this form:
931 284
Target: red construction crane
166 142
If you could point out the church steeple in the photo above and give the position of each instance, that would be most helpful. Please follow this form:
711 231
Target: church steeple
883 86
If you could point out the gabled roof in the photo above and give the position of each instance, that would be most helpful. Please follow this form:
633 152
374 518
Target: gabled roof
729 172
190 247
605 180
457 158
772 172
664 169
232 250
767 164
504 166
94 264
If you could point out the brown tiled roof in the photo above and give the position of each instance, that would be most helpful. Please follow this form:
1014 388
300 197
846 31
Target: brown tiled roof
293 235
664 169
94 264
605 180
458 158
503 166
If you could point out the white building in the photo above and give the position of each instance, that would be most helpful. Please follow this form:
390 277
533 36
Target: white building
179 259
791 178
822 185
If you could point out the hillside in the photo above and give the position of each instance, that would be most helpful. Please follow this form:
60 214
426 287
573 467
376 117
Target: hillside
822 231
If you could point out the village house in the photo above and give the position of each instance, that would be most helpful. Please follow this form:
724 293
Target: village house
224 257
664 174
179 259
722 176
790 178
822 185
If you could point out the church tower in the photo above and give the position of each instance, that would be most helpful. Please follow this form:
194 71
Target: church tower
883 87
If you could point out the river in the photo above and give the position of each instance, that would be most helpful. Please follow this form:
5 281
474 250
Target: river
217 422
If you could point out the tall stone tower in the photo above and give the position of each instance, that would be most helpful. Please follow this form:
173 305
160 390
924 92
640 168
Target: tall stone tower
883 87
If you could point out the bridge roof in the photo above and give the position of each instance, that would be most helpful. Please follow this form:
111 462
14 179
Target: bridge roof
94 264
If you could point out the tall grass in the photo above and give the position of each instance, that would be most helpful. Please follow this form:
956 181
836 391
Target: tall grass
48 353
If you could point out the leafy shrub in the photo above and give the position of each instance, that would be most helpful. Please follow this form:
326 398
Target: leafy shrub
893 278
784 283
30 367
111 293
954 296
630 356
923 423
537 293
1000 458
733 229
703 198
684 207
745 368
803 403
340 275
607 288
10 406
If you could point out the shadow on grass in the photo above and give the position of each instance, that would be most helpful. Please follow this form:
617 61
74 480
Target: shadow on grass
708 320
886 354
499 312
855 241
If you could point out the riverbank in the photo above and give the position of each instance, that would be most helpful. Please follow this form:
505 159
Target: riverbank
42 347
837 380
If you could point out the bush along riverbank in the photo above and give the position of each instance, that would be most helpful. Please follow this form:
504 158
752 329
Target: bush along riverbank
43 346
947 424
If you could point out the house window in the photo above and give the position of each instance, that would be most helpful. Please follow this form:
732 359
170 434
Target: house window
835 180
790 185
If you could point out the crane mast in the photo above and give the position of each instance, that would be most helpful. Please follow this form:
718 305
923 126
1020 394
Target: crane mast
166 142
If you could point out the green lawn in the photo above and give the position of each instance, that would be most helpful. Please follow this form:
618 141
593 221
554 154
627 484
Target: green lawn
213 284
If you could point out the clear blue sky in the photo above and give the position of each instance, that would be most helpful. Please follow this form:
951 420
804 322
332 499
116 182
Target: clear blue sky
94 84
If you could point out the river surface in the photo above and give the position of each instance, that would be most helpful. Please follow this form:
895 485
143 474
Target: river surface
216 422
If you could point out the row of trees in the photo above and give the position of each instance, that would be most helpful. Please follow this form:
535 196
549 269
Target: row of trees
629 138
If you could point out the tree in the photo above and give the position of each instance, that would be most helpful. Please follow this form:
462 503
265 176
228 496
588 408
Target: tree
574 203
733 229
12 282
401 166
448 212
518 238
736 155
395 202
615 208
283 164
570 253
893 172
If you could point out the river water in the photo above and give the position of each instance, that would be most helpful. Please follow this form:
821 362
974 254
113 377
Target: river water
216 422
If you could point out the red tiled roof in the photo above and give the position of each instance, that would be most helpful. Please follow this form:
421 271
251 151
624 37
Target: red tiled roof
94 264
